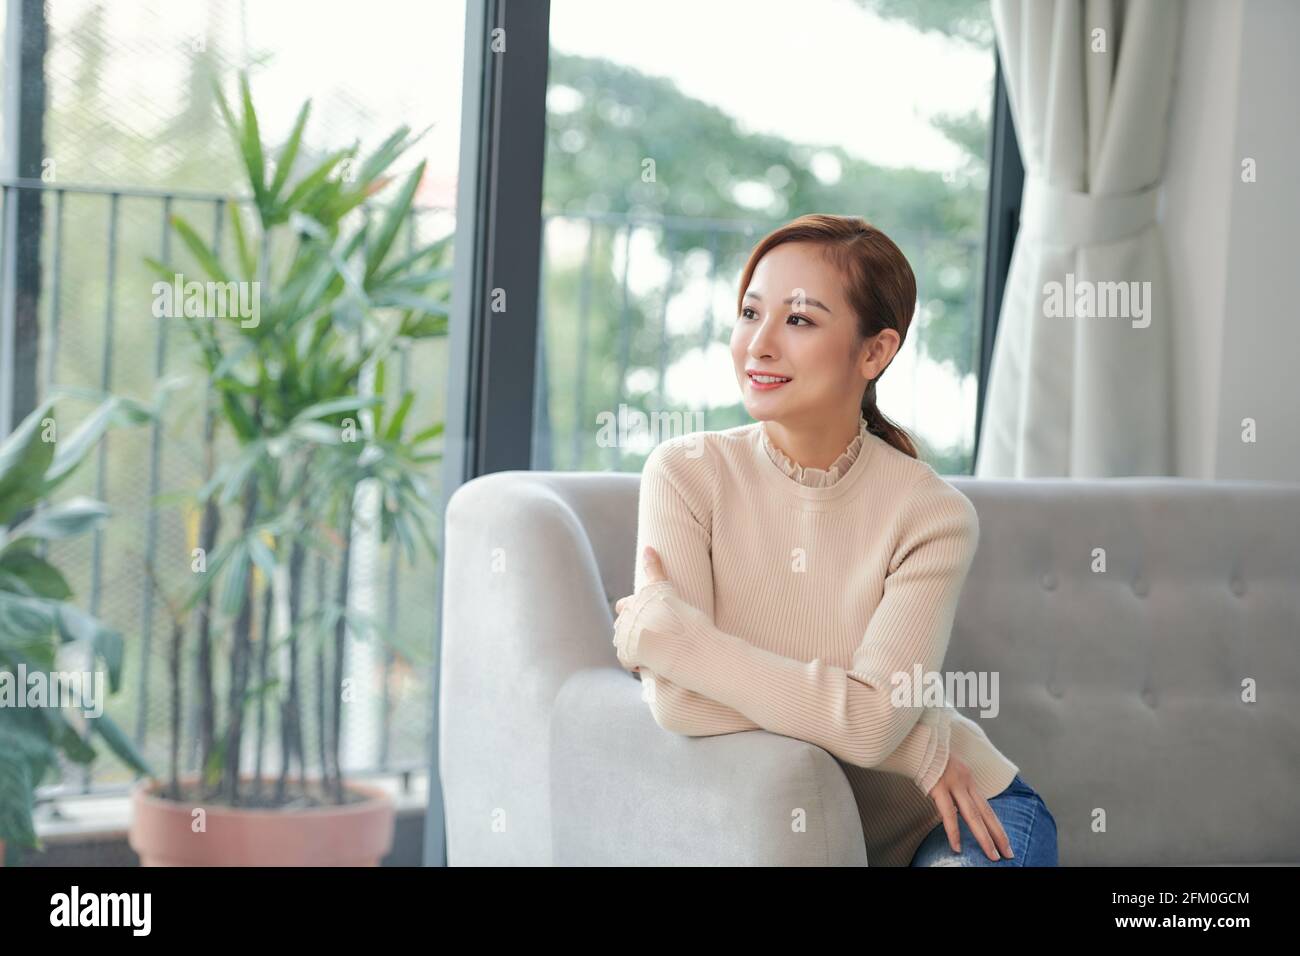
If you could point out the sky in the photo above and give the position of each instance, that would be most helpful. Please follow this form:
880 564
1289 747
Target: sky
822 72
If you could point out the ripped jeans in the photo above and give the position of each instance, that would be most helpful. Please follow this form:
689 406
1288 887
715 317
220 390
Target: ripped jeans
1030 827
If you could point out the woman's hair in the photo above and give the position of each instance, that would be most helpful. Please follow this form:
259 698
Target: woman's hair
878 283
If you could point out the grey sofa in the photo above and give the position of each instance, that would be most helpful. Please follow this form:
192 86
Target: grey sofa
1120 692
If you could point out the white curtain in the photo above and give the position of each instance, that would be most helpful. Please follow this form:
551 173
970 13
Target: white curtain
1085 395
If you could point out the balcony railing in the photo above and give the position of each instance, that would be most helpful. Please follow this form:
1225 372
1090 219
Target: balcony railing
84 329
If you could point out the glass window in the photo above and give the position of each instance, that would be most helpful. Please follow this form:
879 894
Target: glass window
131 135
674 146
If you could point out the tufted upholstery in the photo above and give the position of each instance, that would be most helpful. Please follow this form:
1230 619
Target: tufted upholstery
1120 692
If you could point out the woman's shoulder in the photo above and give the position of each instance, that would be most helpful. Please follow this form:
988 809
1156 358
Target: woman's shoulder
918 487
700 454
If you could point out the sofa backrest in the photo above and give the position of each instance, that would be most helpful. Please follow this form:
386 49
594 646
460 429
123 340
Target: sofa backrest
1126 694
1123 694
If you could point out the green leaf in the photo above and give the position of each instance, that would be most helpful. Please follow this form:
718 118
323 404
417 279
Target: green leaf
317 432
433 431
76 625
411 281
120 744
232 124
23 619
201 251
235 585
261 554
24 458
250 147
394 431
247 262
67 737
434 249
396 215
334 406
17 788
40 577
290 151
380 374
425 327
71 450
409 300
313 180
67 519
239 419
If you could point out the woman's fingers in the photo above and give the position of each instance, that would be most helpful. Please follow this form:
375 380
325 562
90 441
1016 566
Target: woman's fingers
939 794
995 827
975 822
654 567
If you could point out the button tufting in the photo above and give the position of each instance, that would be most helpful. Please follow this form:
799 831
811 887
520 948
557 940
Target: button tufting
1054 688
1049 581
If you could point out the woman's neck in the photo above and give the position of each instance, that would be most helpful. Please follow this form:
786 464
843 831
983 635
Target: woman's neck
816 447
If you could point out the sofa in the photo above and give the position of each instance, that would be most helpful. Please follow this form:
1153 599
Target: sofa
1155 704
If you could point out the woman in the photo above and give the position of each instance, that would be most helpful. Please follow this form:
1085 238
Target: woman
792 567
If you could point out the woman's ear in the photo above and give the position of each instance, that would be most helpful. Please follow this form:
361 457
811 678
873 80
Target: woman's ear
878 352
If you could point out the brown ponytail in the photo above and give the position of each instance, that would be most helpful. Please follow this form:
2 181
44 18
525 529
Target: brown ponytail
879 285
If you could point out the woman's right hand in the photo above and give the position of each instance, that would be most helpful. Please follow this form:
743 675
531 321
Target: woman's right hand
955 791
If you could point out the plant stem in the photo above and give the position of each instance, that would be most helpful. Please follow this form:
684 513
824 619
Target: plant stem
340 633
290 709
239 658
211 526
322 726
264 638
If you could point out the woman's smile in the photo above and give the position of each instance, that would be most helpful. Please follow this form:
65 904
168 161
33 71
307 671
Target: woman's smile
765 383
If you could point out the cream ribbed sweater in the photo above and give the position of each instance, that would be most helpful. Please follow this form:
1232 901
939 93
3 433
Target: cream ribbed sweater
793 596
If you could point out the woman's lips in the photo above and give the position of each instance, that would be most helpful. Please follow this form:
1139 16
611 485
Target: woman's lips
764 386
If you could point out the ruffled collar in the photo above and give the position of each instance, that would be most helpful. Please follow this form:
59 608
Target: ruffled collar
816 477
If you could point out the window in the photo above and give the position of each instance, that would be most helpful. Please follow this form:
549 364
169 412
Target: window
127 135
673 147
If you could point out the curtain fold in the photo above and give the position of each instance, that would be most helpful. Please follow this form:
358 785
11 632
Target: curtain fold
1080 383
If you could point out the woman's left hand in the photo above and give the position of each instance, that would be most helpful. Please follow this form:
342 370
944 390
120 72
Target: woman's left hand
654 572
955 794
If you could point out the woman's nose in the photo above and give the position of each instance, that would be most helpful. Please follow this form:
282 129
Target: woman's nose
760 342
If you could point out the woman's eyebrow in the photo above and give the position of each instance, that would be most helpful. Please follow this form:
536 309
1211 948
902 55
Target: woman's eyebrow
807 299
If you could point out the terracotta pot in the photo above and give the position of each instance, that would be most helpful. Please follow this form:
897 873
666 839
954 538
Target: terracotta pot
355 834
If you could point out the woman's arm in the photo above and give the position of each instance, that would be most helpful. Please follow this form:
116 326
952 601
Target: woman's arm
849 713
680 530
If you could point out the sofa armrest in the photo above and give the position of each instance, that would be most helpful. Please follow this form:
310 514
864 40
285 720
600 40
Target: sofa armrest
626 792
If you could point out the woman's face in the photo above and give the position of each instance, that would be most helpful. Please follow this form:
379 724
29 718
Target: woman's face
795 323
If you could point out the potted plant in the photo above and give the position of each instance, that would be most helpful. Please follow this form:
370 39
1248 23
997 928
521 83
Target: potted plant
38 618
302 394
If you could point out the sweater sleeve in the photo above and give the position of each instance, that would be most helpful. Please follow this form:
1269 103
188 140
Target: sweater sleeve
674 518
849 712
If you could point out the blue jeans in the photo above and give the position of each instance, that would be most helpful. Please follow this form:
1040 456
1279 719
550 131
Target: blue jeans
1030 827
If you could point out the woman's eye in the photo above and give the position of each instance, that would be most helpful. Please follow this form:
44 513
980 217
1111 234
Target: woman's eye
745 314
